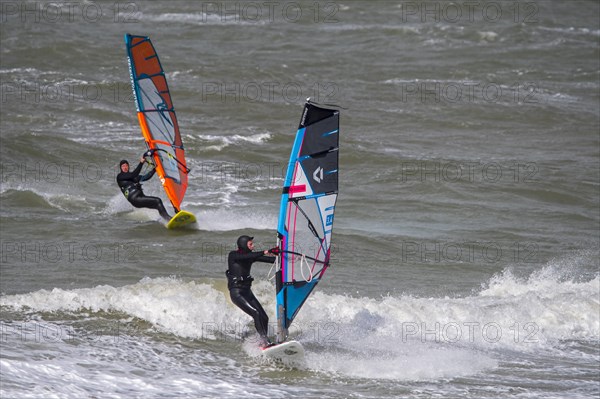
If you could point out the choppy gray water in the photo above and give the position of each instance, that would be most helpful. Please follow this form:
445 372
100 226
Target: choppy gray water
467 229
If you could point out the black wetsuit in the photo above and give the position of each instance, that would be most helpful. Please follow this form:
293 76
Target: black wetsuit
129 182
239 283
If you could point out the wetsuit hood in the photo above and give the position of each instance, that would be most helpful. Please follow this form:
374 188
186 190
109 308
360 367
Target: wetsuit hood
242 243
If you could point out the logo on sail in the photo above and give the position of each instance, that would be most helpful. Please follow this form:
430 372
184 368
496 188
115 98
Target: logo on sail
318 174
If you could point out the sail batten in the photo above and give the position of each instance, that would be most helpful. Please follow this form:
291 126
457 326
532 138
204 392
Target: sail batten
306 212
157 118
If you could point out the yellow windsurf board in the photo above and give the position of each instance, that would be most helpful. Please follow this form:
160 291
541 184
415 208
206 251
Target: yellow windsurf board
181 219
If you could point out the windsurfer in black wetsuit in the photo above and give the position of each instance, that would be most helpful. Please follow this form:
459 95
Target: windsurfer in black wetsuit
239 283
129 182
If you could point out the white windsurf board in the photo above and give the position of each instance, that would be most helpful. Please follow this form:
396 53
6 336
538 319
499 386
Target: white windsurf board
289 352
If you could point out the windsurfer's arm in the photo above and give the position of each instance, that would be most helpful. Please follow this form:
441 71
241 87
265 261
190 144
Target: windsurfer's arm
267 256
253 256
135 174
148 175
138 168
124 178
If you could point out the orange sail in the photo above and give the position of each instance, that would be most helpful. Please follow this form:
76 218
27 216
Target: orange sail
157 118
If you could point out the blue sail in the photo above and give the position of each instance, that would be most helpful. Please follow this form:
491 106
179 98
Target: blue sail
306 212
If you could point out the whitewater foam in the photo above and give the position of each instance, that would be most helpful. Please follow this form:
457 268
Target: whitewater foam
402 337
222 142
228 220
